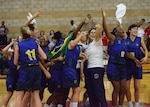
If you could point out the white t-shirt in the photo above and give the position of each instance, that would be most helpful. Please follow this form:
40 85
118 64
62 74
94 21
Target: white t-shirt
51 45
95 54
140 32
73 27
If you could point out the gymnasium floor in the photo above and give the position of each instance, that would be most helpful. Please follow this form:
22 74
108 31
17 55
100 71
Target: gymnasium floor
144 95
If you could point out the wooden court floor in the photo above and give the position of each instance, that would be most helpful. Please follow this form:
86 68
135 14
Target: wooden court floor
144 95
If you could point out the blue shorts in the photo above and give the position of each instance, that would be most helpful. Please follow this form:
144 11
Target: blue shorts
11 80
134 71
71 77
116 72
55 82
43 81
29 78
52 86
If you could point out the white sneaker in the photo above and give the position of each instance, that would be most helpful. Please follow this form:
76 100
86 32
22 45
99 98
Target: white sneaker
137 104
46 105
130 104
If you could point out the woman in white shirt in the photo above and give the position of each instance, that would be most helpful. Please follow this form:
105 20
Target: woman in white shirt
95 72
141 31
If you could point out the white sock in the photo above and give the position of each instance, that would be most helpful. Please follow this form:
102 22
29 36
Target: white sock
46 105
59 105
73 104
3 106
136 104
52 105
130 104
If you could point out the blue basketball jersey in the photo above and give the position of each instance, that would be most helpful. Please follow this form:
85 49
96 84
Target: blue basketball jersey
70 75
57 67
12 75
117 51
134 48
28 51
72 57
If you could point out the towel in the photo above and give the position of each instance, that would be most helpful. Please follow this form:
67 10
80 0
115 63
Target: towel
120 12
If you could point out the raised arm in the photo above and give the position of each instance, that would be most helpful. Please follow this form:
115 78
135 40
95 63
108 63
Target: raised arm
120 25
35 15
16 55
5 50
97 36
79 27
109 35
73 43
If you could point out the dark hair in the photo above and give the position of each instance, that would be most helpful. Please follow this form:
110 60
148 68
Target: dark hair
102 32
143 19
91 29
31 26
58 35
114 31
50 31
42 31
132 26
26 36
71 21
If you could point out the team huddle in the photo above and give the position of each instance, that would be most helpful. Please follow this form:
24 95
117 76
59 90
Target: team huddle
79 56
